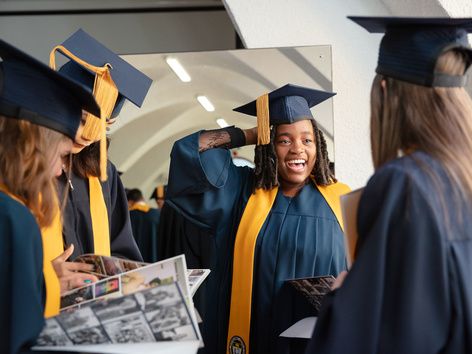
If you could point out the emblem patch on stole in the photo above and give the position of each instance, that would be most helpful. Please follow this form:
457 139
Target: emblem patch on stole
237 346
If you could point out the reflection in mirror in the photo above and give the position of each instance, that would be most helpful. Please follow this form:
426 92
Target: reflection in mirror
142 138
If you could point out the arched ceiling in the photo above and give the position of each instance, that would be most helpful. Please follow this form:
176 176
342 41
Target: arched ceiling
142 138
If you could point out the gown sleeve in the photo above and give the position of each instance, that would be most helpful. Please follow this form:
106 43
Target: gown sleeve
21 296
395 298
122 241
205 187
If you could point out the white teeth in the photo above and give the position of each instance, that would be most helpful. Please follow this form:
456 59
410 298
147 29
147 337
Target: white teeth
297 161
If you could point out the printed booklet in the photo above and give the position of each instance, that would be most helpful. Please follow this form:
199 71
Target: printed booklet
133 302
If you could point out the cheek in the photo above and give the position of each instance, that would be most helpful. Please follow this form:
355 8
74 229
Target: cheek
78 135
312 156
280 152
56 166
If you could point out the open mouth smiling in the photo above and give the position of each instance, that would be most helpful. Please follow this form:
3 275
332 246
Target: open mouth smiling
296 165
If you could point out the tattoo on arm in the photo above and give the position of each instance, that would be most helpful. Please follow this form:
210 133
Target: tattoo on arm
213 139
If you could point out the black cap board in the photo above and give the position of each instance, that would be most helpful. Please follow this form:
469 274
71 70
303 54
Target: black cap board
32 91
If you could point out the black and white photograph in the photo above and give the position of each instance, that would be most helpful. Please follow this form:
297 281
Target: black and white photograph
52 335
176 334
89 335
115 308
77 296
168 318
129 329
83 327
159 297
79 319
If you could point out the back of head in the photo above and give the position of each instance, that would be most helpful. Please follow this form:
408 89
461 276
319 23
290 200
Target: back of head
436 120
26 153
39 109
135 195
418 100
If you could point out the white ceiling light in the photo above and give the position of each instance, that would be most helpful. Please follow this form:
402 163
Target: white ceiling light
205 102
178 69
222 123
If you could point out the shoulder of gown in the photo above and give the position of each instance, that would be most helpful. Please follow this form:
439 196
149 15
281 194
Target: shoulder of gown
21 297
396 297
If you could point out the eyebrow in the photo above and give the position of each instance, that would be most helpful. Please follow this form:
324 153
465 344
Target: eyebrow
290 135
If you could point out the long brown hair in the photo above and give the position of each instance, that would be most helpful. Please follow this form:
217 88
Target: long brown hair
435 120
26 153
87 162
265 158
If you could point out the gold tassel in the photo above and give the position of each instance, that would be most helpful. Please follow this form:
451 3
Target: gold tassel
105 93
160 191
263 123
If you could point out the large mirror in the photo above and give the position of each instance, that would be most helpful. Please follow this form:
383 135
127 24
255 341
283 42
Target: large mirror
141 139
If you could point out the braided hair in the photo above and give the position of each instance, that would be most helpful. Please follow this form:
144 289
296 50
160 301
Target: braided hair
265 158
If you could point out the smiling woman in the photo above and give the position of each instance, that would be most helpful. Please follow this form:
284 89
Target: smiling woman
296 155
272 223
142 139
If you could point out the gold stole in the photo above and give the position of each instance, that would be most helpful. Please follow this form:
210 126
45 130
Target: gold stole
256 211
53 246
99 215
141 207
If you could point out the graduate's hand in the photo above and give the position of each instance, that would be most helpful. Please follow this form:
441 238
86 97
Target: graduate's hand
339 280
69 273
251 136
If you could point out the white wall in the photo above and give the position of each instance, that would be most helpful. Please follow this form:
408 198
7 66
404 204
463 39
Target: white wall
147 32
273 23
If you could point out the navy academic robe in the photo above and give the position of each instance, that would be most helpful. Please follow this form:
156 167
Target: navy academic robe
301 237
145 227
179 235
21 266
77 222
410 289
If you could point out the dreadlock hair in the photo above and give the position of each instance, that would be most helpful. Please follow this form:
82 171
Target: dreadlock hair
265 158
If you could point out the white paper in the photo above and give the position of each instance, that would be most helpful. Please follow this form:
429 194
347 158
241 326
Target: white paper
184 347
302 329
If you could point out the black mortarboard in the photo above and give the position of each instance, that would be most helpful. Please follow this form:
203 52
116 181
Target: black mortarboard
159 192
74 71
411 46
112 80
31 91
132 84
285 105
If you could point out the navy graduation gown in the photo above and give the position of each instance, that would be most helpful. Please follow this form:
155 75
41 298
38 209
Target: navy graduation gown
178 235
77 222
409 290
301 237
21 266
145 227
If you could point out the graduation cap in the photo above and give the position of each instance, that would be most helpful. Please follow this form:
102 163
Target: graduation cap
112 79
159 193
285 105
30 90
411 46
